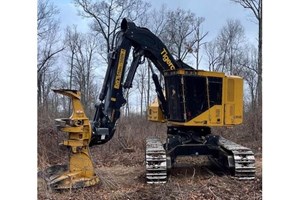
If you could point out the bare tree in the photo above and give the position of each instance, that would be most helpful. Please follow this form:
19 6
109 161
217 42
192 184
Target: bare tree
48 47
158 21
141 80
50 79
178 32
256 8
234 56
198 37
230 42
213 58
250 73
106 16
157 25
84 65
71 39
46 18
231 53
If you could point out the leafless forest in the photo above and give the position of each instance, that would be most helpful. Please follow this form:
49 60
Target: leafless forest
68 58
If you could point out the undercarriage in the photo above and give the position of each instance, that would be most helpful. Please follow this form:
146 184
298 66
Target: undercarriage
236 159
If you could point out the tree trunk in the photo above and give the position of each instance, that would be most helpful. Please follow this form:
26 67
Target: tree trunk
142 96
39 89
127 104
70 82
259 81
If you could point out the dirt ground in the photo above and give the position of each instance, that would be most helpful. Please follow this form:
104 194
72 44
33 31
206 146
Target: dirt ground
191 178
122 172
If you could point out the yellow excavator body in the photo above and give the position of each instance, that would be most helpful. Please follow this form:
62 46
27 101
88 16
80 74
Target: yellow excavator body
227 90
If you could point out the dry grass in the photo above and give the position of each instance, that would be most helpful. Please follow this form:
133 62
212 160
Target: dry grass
120 166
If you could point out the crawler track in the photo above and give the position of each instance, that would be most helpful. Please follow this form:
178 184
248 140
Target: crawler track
241 158
156 161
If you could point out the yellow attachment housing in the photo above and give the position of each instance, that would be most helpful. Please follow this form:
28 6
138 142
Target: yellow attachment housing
80 170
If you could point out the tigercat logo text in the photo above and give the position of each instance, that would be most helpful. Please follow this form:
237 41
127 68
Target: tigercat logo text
120 69
166 59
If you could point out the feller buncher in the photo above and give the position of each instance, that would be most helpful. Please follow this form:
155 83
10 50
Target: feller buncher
191 102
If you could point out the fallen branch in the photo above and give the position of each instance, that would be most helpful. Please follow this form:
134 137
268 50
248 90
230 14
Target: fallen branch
218 198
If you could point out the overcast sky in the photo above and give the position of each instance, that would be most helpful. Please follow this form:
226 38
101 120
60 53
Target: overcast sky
215 12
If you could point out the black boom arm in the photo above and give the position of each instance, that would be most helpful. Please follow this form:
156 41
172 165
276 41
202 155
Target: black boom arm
145 44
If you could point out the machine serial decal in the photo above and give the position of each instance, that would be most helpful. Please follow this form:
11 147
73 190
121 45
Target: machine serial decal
120 69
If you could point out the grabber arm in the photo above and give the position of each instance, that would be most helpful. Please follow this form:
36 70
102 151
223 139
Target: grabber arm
79 172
